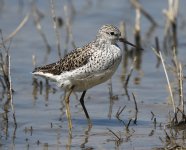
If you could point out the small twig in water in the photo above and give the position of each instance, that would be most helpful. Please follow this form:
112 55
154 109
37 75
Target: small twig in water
130 73
10 92
120 111
136 108
167 136
128 124
152 115
155 122
119 139
157 50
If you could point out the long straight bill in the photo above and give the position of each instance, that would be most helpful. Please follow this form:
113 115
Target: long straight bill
127 42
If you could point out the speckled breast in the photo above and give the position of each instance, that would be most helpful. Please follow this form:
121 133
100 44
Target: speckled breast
113 57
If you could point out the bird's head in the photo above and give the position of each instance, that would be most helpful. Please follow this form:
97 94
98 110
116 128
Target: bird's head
111 34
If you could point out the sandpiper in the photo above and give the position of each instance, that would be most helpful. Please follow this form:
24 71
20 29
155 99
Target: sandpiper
86 67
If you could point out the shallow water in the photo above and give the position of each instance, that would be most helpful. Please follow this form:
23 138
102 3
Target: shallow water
40 116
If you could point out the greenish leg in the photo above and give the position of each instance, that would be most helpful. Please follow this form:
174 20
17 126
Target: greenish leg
68 113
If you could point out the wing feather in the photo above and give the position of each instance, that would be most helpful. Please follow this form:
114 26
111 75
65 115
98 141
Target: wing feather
71 61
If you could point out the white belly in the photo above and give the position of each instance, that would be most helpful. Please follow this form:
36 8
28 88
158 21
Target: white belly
93 80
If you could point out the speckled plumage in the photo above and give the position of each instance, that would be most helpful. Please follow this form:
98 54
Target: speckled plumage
71 61
86 67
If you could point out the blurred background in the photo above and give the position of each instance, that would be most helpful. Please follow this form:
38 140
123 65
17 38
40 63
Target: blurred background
131 111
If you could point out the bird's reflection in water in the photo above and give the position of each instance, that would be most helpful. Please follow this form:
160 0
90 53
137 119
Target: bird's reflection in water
86 136
85 140
68 145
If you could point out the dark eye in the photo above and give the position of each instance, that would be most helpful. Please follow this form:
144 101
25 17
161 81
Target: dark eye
111 33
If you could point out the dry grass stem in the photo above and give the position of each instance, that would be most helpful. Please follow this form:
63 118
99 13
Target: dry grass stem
10 92
128 76
137 5
117 137
10 82
111 99
10 36
183 115
55 27
123 34
34 61
137 29
136 108
5 66
179 74
168 82
128 124
155 122
172 11
181 89
157 51
137 21
120 110
153 115
171 22
69 14
130 73
37 17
